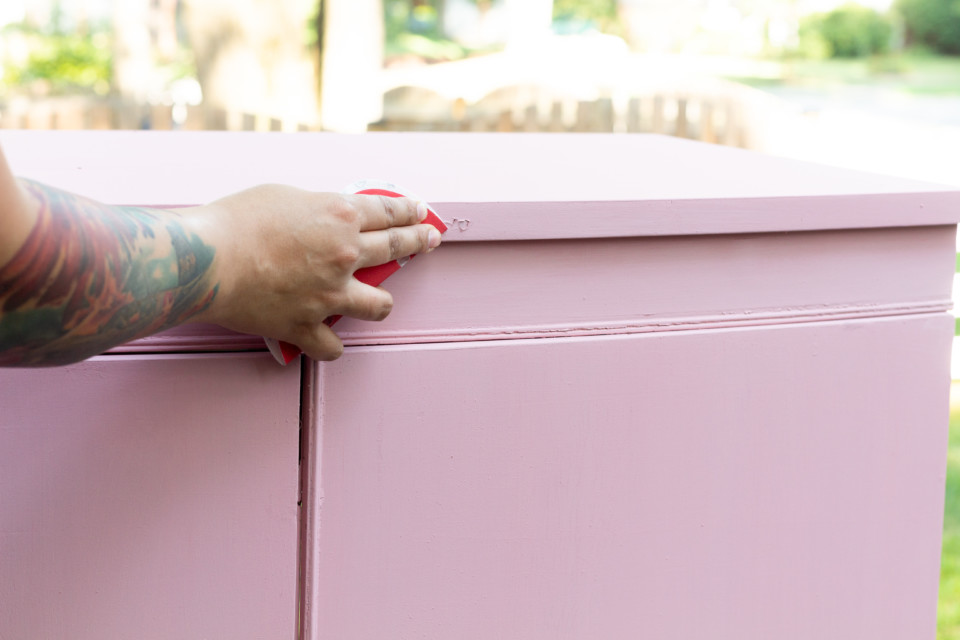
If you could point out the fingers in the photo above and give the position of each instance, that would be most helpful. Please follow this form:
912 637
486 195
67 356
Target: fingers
363 302
383 212
321 344
379 247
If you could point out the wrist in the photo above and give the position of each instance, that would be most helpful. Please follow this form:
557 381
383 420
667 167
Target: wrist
206 227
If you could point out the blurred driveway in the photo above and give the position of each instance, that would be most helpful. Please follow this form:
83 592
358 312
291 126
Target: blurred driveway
860 127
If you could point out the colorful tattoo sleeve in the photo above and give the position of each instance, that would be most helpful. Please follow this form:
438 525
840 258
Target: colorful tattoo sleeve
91 276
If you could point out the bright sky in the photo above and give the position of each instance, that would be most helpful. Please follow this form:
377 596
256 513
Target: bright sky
13 10
827 5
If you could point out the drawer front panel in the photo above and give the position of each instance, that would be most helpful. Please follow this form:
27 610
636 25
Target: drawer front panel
149 497
775 482
483 291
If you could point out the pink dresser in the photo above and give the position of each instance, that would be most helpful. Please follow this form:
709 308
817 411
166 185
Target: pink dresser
646 389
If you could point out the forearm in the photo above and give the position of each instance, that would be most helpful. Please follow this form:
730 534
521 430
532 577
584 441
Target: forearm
80 277
91 276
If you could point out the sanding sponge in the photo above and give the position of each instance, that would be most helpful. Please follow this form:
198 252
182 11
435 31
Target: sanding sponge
373 276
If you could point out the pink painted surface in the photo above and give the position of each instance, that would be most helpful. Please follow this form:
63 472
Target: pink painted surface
149 497
720 430
648 188
778 482
508 186
675 283
505 290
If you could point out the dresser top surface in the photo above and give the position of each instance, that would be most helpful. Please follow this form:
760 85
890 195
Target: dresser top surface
511 186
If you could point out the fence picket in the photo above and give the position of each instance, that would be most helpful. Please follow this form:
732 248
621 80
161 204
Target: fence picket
716 117
681 126
556 117
707 133
605 117
657 122
530 119
633 115
504 121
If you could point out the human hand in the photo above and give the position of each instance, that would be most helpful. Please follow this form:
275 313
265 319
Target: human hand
285 259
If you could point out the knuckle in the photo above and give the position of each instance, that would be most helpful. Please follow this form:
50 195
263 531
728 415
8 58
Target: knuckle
396 244
423 238
347 255
303 334
331 303
268 190
346 211
370 305
389 209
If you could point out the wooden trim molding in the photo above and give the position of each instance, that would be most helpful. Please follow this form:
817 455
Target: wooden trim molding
677 283
690 323
541 221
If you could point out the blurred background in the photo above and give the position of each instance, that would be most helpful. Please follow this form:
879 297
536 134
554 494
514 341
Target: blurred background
872 85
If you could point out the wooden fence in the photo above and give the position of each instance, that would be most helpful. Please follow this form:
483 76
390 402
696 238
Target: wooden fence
731 115
81 112
728 116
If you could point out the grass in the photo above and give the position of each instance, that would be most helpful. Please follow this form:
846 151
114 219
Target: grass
948 619
912 73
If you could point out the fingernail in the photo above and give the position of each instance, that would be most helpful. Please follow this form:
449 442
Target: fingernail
421 211
433 239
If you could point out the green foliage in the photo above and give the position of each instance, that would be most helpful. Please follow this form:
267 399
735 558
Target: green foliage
851 31
596 10
413 28
600 14
406 16
948 619
812 43
65 61
311 28
933 23
432 49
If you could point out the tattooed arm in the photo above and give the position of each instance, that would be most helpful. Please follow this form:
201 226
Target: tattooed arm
78 277
90 276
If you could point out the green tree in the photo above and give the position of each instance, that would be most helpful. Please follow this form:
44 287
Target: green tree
64 61
603 13
851 31
933 23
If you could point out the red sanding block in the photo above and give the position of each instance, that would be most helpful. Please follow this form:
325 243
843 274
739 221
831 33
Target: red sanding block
373 276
